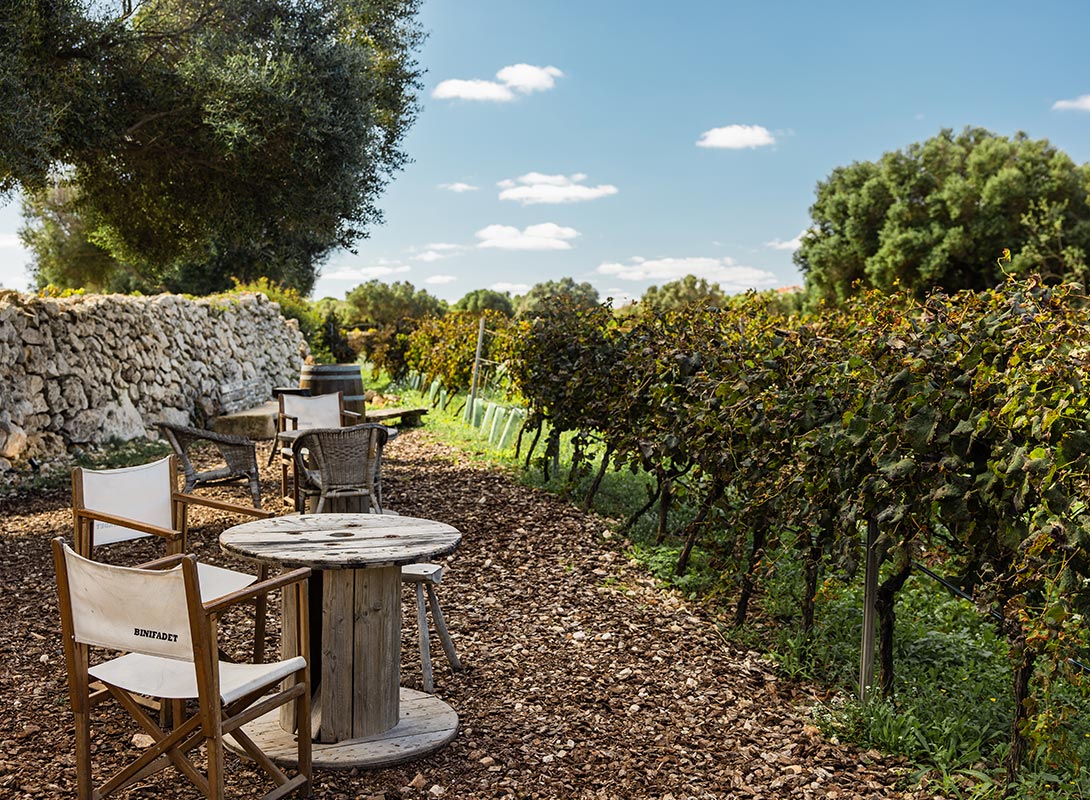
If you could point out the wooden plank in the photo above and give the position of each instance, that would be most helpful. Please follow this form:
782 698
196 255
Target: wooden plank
338 599
377 650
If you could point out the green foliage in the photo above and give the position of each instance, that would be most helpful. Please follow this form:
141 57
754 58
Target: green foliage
209 139
388 314
57 238
486 300
531 304
445 347
937 214
959 425
683 292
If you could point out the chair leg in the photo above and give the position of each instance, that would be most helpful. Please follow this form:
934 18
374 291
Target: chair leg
83 755
441 627
422 631
255 489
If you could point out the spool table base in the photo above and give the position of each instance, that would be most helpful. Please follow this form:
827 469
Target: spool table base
427 724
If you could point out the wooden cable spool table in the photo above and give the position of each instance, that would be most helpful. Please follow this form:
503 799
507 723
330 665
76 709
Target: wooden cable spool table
363 717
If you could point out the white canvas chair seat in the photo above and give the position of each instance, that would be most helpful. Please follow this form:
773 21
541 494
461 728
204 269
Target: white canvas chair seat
168 677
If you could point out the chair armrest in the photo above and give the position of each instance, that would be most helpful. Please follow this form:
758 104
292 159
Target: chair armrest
124 522
281 418
192 499
347 416
256 590
166 562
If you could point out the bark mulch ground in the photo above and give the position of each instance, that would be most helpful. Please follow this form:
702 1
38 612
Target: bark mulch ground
584 679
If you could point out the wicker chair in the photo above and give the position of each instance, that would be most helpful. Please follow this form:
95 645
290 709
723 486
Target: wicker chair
237 452
341 467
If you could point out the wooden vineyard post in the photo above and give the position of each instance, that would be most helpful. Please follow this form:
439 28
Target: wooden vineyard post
471 402
870 594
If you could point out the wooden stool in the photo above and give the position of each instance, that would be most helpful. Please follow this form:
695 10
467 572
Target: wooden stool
427 576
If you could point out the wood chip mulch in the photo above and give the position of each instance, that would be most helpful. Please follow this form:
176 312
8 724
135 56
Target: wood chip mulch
584 679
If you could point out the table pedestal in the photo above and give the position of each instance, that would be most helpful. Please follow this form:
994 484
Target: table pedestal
355 654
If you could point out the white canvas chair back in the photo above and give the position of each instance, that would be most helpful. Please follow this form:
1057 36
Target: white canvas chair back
111 608
140 493
320 411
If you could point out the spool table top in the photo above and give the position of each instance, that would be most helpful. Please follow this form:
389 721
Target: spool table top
341 541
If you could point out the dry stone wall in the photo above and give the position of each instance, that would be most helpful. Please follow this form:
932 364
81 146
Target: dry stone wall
85 370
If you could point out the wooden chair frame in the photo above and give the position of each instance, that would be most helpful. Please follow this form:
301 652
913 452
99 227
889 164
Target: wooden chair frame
214 719
83 520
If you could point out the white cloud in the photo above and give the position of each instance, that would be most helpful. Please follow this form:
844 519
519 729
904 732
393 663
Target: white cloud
724 271
439 280
458 187
1080 103
513 80
429 256
365 273
535 187
790 244
545 236
736 137
456 89
435 251
527 78
513 288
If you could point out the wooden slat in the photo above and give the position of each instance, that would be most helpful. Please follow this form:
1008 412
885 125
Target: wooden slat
338 600
377 648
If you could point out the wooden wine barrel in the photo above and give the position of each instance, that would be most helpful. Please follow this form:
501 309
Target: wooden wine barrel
331 378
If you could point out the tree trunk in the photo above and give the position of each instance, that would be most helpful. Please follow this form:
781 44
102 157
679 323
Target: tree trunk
813 574
885 605
749 580
598 478
518 442
666 499
651 498
533 443
1023 673
695 526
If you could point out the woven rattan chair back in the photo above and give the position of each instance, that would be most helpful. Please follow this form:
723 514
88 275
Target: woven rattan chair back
342 463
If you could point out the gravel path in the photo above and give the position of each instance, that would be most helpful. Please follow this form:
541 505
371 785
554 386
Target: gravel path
584 679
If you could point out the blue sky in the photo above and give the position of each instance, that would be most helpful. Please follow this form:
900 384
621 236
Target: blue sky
630 143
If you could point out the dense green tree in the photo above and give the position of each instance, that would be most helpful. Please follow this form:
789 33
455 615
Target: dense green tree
941 212
486 300
375 304
531 304
683 292
57 239
210 138
388 313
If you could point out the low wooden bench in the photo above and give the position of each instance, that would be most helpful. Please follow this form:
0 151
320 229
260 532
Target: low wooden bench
410 417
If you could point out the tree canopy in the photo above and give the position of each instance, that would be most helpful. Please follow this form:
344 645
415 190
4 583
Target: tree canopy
200 139
682 292
486 300
531 303
941 212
